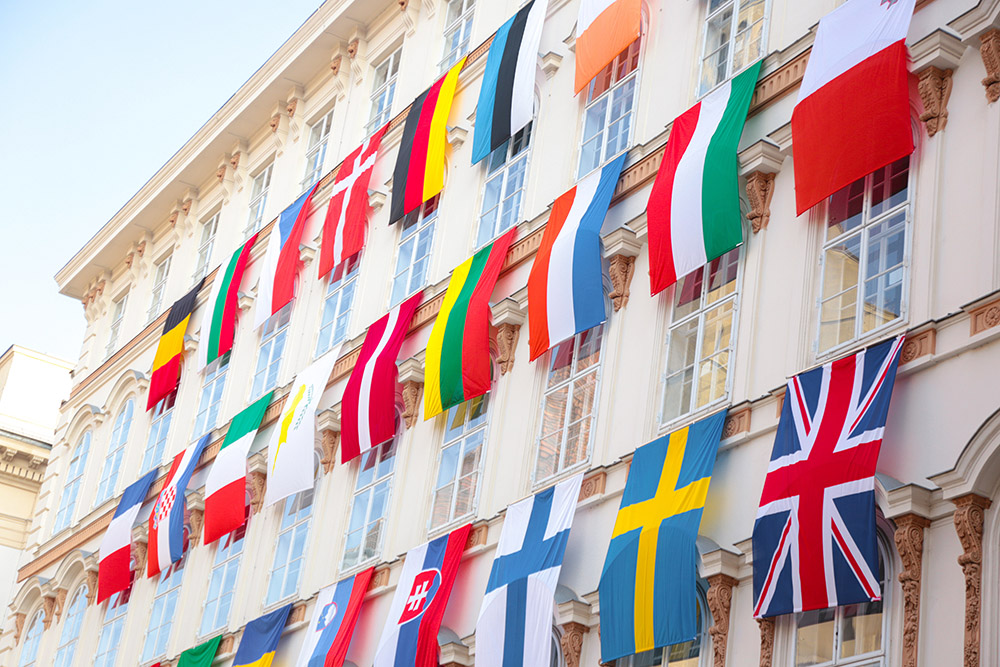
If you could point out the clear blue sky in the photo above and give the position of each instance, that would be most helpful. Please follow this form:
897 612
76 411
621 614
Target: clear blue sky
97 96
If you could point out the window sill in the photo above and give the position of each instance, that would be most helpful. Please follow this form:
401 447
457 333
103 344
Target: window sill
446 528
893 328
688 418
560 476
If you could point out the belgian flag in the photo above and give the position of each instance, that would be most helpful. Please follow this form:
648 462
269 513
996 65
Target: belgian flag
167 362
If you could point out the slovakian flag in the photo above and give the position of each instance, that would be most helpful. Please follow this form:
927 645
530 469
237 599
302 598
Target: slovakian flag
368 408
166 373
166 524
334 617
565 287
226 485
281 261
347 213
507 96
853 113
201 655
114 572
419 171
218 328
693 214
409 638
457 366
604 28
260 639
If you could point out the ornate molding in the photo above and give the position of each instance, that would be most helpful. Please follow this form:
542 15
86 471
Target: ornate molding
989 49
412 391
984 317
139 551
507 336
297 615
227 645
352 48
620 270
61 594
909 538
290 110
766 641
186 204
593 485
760 190
19 619
273 124
196 521
918 345
720 599
477 536
335 64
330 442
48 605
380 578
935 91
572 642
91 587
969 520
234 161
737 421
257 485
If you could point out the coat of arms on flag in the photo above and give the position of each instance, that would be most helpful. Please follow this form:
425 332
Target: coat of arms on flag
334 617
166 524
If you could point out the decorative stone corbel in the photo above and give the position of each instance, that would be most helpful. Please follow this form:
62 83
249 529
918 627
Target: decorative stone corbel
410 12
328 423
411 378
226 177
279 124
989 49
91 586
550 64
256 481
227 646
766 641
48 607
244 300
60 604
357 47
935 91
621 247
196 521
909 538
507 318
720 599
190 343
970 518
759 164
292 102
297 615
572 642
19 619
335 63
457 136
454 653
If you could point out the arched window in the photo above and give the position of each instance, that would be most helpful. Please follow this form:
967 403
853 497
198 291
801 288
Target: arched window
71 628
157 442
74 477
506 180
687 654
116 449
111 633
29 651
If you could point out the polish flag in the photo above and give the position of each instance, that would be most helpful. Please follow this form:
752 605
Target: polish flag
113 571
604 28
853 113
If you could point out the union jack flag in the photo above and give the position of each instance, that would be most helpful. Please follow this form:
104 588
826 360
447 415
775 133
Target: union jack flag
814 538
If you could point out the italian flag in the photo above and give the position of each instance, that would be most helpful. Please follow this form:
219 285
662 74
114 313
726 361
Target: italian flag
225 488
693 215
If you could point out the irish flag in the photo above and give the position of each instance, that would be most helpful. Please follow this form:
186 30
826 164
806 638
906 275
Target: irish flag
693 214
219 326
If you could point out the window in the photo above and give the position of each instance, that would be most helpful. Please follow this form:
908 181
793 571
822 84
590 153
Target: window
383 90
369 505
117 315
208 230
734 38
222 585
164 611
506 173
71 628
700 337
160 272
158 430
687 654
272 345
607 123
111 633
415 241
457 30
337 308
116 448
570 404
258 199
290 553
865 252
74 477
319 132
211 396
461 456
32 638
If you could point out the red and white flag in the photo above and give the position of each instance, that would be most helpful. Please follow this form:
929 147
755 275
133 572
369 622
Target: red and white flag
166 524
347 214
114 573
853 113
368 407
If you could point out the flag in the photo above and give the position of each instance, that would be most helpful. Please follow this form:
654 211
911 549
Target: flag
853 113
604 28
347 213
166 373
218 329
515 621
260 639
226 485
368 409
814 543
458 351
409 638
648 588
507 96
290 451
166 524
566 288
201 655
113 570
334 617
694 208
281 261
419 171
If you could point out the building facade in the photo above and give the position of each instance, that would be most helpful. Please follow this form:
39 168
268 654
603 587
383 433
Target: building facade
914 247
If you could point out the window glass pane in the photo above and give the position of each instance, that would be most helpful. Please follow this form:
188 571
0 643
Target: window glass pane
890 186
845 209
681 350
687 294
715 354
749 44
718 33
814 637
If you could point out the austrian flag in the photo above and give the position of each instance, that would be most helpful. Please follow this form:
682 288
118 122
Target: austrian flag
166 524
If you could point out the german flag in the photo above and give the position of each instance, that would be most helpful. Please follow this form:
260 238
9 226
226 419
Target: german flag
419 172
167 362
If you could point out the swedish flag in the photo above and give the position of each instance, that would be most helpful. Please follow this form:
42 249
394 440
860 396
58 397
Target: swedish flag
648 586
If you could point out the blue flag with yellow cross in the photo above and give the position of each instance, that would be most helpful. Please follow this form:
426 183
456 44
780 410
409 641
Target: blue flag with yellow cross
648 586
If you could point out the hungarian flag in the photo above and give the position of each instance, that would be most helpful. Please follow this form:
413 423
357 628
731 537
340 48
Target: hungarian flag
166 525
457 366
853 113
409 638
334 617
693 214
226 486
218 328
565 287
260 639
604 28
113 570
419 172
201 655
368 408
347 213
166 373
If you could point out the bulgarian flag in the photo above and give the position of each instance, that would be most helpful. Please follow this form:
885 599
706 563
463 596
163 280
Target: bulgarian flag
219 326
693 214
225 488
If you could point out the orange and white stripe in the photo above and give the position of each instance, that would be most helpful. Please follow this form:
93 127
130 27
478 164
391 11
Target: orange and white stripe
604 29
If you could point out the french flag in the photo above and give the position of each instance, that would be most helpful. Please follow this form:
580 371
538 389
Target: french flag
113 571
565 287
409 638
166 524
334 617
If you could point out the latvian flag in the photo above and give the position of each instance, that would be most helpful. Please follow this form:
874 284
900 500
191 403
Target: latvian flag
113 571
368 407
604 28
853 114
693 214
334 617
218 328
166 373
409 638
565 288
166 525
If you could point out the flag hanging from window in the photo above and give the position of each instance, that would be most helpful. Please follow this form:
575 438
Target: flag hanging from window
166 373
334 617
260 639
114 572
218 327
201 655
604 28
166 524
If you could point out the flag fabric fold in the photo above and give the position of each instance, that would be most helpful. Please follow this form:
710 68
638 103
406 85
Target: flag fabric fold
218 327
260 639
166 373
114 573
166 525
201 655
334 618
604 28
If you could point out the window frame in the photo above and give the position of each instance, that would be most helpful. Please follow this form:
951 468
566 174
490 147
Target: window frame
166 619
390 478
258 204
463 24
306 523
158 292
335 290
118 307
460 442
234 560
160 423
74 480
108 476
376 119
422 223
206 246
704 645
268 339
503 173
217 371
66 650
36 622
730 73
115 603
314 174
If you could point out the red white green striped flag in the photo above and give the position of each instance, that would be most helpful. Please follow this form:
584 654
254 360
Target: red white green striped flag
693 215
219 326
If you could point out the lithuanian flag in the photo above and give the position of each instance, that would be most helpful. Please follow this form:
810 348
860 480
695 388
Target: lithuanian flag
169 352
458 351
